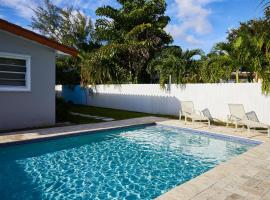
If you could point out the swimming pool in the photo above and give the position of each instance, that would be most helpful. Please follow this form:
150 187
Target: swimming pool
139 162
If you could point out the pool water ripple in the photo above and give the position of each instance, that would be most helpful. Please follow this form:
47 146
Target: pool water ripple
132 163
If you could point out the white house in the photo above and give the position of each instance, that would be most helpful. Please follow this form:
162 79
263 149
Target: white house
27 77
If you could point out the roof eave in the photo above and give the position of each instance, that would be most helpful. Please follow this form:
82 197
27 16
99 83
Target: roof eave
17 30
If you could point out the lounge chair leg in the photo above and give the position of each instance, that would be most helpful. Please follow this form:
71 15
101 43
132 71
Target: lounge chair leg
236 125
185 119
209 123
248 130
268 132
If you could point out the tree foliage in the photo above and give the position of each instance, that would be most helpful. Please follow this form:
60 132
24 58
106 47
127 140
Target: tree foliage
129 44
181 65
253 38
132 34
246 49
67 26
216 66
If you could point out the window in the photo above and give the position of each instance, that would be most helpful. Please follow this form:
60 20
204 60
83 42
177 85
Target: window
14 72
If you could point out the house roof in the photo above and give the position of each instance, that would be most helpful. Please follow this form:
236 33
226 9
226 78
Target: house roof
22 32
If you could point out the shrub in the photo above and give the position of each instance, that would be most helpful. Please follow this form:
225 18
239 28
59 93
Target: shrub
62 110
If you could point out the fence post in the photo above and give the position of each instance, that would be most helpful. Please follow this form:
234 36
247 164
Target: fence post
170 83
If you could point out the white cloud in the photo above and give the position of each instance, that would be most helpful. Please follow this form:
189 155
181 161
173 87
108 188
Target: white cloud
24 8
191 19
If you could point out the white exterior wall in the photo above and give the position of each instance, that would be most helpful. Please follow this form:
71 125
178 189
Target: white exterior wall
36 107
152 99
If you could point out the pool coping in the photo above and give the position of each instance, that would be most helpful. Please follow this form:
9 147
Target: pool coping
40 135
215 135
72 134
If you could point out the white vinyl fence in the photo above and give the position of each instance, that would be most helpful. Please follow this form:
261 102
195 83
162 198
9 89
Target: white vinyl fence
150 98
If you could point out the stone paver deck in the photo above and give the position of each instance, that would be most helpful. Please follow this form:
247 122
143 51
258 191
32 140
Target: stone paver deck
24 136
245 177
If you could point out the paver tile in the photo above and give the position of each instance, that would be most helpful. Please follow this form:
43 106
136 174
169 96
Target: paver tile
235 197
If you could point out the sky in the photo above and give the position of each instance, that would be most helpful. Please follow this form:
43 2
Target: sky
194 23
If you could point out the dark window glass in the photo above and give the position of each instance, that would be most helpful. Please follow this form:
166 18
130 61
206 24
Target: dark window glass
12 72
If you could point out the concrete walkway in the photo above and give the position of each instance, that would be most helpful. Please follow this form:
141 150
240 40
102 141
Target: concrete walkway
24 136
245 177
106 119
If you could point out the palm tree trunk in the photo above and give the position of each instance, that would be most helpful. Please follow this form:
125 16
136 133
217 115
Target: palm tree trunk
237 76
256 77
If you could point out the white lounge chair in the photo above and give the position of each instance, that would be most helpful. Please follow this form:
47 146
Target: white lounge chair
238 116
188 111
206 112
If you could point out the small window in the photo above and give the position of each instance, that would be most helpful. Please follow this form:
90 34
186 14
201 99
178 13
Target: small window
14 72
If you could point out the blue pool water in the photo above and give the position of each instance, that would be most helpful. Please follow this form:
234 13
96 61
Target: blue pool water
130 163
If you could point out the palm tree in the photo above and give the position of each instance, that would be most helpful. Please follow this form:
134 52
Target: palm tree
218 64
228 57
172 60
251 47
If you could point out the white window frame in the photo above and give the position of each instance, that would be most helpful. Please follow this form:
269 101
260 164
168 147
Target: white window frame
27 87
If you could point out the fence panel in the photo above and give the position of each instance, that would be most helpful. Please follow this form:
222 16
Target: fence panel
151 98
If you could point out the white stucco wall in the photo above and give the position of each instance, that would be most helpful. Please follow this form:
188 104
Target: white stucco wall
35 108
152 99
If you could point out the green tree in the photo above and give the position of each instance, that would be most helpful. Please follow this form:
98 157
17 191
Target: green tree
225 58
218 65
67 26
253 39
181 65
247 48
132 34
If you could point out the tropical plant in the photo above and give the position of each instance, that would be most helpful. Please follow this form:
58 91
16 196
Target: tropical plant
247 48
217 66
132 34
102 66
253 38
172 60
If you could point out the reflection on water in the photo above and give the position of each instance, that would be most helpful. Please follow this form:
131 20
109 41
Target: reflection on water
134 163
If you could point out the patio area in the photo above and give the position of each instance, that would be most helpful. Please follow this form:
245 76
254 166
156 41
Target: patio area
244 177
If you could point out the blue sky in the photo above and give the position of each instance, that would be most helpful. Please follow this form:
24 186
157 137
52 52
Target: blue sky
194 23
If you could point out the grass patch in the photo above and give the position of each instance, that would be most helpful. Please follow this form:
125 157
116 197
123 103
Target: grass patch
74 119
63 114
107 112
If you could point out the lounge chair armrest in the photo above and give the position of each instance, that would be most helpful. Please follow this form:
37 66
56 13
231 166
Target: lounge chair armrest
186 113
233 118
199 112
